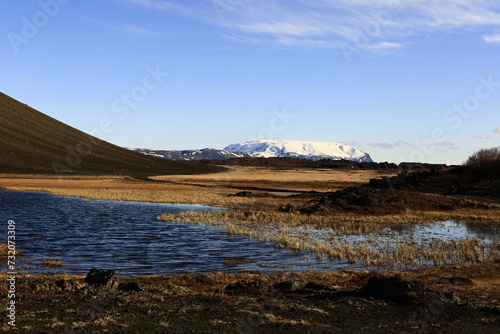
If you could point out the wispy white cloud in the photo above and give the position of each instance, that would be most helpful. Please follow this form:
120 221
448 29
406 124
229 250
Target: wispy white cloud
445 145
495 38
282 29
352 143
497 131
382 47
458 13
398 143
449 145
373 26
161 5
481 136
125 28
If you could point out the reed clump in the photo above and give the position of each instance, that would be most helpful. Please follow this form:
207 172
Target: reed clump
52 263
331 238
338 225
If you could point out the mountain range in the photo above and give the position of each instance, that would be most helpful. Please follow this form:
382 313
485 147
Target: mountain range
269 148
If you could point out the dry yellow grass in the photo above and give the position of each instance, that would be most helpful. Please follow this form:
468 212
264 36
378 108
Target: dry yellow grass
298 233
4 250
342 223
52 263
209 189
123 189
286 179
273 319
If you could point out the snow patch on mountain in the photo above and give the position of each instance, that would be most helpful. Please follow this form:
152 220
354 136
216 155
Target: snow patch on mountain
300 149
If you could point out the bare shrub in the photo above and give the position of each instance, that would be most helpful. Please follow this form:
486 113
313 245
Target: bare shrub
486 160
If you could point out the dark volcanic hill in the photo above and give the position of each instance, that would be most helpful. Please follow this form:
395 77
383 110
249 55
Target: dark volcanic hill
32 142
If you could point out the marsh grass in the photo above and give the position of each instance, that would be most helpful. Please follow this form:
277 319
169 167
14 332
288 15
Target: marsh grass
235 261
52 263
340 224
156 194
299 233
3 250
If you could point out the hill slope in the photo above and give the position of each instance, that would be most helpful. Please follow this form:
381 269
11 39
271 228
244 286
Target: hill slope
300 149
32 142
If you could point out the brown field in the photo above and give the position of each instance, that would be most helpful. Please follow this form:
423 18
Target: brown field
211 189
321 180
216 189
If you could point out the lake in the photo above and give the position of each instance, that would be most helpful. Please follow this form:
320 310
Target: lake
126 237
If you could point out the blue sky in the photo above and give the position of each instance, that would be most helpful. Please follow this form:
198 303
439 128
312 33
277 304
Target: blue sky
403 80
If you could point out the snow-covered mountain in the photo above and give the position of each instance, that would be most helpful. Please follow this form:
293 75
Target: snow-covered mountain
267 149
300 149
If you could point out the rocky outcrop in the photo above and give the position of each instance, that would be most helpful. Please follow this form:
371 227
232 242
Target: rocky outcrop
100 278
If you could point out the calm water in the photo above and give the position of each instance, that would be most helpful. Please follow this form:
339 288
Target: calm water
125 236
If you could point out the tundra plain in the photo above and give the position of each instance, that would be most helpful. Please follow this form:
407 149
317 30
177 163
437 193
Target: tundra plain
441 298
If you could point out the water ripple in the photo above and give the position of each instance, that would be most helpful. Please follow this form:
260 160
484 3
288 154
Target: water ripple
125 236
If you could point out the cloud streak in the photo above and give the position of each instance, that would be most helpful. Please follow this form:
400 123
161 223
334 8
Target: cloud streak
493 38
398 143
372 26
401 143
448 145
125 28
161 5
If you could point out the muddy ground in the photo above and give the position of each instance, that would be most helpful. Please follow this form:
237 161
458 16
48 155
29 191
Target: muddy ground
460 299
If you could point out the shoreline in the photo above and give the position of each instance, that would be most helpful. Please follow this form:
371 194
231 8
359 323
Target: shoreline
451 299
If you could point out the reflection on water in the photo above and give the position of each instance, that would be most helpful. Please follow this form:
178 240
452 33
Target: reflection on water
421 233
125 236
450 230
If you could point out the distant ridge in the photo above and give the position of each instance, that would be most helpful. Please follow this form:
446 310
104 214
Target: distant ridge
310 150
32 142
193 155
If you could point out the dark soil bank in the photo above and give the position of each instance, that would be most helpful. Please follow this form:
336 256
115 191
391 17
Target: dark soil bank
461 299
